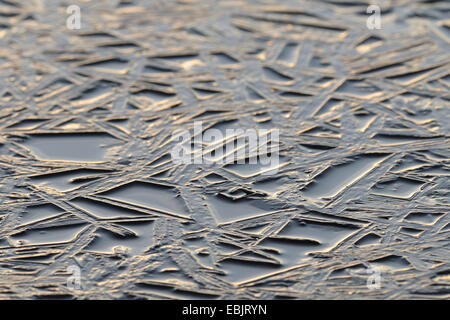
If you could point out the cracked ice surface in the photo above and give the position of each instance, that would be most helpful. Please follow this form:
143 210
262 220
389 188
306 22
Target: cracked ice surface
86 176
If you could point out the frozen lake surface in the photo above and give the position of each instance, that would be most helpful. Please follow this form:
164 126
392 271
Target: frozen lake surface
87 179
